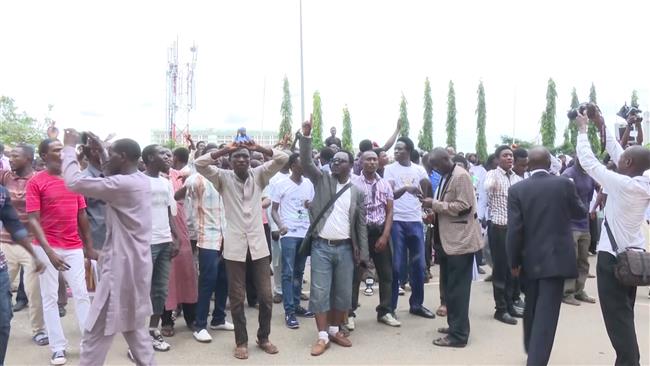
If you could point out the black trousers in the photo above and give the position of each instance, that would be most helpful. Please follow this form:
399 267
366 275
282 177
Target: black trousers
458 287
441 257
428 248
543 300
189 314
617 306
383 266
502 286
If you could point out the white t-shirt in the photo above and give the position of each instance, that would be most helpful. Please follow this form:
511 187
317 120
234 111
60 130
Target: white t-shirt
292 198
162 199
408 207
337 226
269 193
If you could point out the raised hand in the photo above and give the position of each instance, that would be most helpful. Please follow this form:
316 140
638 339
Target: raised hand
71 137
306 126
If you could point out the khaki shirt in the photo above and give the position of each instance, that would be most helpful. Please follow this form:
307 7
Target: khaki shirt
242 201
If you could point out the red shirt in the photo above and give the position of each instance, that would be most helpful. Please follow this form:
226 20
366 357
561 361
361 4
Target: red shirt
58 208
16 186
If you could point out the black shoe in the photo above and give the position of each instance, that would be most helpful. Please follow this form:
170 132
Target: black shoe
519 303
300 311
20 305
423 312
488 278
505 318
516 312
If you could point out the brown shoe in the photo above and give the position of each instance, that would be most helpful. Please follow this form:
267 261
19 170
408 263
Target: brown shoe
267 347
340 339
241 352
319 347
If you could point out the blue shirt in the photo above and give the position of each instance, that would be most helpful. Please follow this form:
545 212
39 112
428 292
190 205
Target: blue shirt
585 185
435 180
9 219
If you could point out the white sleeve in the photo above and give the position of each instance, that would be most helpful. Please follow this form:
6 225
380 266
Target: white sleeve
612 146
609 180
172 202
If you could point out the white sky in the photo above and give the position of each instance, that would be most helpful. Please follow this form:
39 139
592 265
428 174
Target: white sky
103 65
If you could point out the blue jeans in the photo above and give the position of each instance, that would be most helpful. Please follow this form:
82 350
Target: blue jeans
332 271
212 279
408 235
5 313
293 268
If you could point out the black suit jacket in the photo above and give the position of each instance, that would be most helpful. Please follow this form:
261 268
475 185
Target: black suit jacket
540 238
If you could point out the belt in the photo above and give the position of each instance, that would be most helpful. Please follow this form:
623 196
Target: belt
334 242
500 226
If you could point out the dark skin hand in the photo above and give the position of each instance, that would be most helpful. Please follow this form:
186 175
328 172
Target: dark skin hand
34 219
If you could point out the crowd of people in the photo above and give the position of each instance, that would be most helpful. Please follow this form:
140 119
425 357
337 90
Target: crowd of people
166 233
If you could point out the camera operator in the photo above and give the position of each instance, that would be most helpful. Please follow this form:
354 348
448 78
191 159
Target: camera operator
633 123
629 196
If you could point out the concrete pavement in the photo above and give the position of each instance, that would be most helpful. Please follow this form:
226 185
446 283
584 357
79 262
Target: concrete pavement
581 338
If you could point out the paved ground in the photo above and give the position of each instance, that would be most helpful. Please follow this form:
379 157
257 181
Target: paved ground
581 338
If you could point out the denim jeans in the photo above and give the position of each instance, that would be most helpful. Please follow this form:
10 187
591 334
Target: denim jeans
293 268
5 313
161 257
212 279
408 235
332 270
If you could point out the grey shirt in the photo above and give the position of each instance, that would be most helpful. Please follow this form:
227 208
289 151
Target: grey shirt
96 210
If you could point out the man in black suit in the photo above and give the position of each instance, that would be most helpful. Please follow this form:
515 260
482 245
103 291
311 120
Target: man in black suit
540 248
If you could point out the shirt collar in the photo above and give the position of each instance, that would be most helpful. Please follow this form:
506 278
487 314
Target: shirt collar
539 171
504 172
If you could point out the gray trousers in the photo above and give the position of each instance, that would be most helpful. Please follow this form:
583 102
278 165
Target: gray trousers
582 242
95 344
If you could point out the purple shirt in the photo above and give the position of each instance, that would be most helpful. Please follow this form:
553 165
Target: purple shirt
377 194
585 185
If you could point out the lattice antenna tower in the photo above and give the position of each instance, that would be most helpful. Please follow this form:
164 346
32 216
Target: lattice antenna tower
189 89
172 90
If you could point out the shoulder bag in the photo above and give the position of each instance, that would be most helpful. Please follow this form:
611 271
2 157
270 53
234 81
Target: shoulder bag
632 266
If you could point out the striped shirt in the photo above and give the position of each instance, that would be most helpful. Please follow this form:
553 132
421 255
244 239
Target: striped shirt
497 182
16 186
58 207
207 210
377 194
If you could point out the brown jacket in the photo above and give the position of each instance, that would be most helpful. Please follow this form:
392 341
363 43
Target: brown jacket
460 231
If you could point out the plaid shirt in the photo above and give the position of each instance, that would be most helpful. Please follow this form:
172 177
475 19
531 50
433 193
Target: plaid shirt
377 192
497 182
9 219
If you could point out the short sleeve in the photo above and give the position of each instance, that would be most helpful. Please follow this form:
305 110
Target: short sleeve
33 197
171 202
389 192
81 202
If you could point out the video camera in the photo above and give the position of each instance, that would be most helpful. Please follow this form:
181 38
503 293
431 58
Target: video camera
626 111
573 113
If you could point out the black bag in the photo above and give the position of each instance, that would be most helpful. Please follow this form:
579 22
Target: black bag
305 246
632 266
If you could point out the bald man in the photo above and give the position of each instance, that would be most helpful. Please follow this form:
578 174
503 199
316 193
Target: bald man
628 198
540 248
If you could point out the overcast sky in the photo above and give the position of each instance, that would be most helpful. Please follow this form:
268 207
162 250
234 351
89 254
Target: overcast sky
103 66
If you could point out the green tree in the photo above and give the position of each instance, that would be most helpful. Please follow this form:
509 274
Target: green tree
403 116
346 140
634 102
573 127
481 143
17 127
425 138
592 131
286 111
547 126
451 116
566 147
509 140
317 119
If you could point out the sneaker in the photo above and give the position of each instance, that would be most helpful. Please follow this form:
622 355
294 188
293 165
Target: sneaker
58 358
389 320
350 325
304 297
159 343
300 311
202 336
226 325
582 296
401 291
291 321
368 291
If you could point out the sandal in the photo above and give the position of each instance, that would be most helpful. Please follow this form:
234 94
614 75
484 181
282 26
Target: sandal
446 342
241 352
167 331
268 347
442 310
41 339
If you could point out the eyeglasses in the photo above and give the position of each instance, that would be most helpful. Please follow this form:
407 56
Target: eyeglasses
339 161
